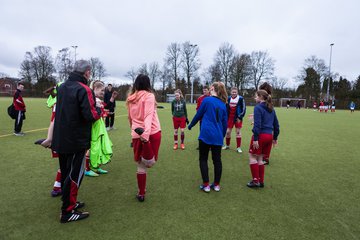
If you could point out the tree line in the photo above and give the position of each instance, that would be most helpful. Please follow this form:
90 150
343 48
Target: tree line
181 70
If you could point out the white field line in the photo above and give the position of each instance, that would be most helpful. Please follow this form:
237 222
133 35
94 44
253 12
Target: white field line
43 129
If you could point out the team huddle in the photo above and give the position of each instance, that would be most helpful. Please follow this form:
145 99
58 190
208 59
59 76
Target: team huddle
78 135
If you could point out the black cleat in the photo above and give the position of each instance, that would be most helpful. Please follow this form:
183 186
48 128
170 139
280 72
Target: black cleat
140 198
253 184
79 205
73 216
139 130
261 185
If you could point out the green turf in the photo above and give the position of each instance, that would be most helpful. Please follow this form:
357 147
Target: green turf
312 185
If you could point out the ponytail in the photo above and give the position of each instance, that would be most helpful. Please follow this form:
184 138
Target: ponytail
220 90
267 98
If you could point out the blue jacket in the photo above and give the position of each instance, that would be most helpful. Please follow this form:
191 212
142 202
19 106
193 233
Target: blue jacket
212 113
240 108
265 122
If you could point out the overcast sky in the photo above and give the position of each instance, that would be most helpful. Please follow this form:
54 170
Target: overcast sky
126 34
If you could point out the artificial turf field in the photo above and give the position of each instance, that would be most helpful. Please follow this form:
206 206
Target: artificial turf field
312 185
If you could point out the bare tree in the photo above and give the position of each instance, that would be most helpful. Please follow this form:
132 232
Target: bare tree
241 71
223 58
173 60
143 69
131 74
213 73
154 73
279 83
38 66
190 61
262 67
63 63
97 69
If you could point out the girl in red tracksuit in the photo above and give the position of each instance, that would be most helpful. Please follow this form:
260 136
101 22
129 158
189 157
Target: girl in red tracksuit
265 133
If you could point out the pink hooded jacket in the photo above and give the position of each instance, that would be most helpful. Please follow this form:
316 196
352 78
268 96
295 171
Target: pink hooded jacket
142 114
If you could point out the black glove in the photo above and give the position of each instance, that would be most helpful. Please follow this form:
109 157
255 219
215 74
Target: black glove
187 121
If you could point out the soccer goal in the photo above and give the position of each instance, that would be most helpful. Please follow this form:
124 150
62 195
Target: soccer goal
195 97
292 102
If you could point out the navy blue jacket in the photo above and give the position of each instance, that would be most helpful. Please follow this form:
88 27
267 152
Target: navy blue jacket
212 113
240 108
265 121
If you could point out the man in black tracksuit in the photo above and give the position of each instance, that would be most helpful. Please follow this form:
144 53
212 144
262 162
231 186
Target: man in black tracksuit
76 110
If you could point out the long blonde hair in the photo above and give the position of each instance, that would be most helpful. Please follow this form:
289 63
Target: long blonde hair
220 90
179 92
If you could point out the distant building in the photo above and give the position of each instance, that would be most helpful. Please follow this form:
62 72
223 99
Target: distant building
8 86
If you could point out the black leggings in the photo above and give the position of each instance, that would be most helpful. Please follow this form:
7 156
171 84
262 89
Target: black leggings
109 121
203 160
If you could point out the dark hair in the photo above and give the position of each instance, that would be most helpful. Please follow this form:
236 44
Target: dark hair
109 84
206 87
20 83
142 82
267 87
267 97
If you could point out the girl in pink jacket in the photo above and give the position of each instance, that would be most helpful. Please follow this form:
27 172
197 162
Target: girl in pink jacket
145 129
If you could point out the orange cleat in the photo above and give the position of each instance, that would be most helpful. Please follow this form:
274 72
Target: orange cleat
175 146
182 146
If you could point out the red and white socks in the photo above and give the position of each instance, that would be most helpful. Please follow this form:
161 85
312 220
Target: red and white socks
57 183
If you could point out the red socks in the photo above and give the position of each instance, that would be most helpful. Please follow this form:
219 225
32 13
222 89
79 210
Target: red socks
175 138
182 137
261 173
228 141
238 142
141 180
255 172
57 183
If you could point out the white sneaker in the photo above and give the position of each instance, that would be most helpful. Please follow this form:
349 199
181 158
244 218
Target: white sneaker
205 188
225 147
19 134
108 129
239 150
216 188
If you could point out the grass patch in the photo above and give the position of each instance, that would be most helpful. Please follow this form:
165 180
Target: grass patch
312 184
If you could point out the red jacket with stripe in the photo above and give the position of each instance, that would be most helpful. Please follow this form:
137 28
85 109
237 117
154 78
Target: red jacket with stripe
18 101
75 112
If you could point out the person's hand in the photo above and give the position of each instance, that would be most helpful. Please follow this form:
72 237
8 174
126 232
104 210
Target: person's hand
256 144
275 142
189 127
187 121
98 103
143 139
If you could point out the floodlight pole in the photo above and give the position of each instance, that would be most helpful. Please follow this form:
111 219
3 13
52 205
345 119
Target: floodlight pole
328 86
75 47
192 82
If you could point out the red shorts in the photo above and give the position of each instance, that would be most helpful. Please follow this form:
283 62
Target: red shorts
179 122
154 141
265 144
231 123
